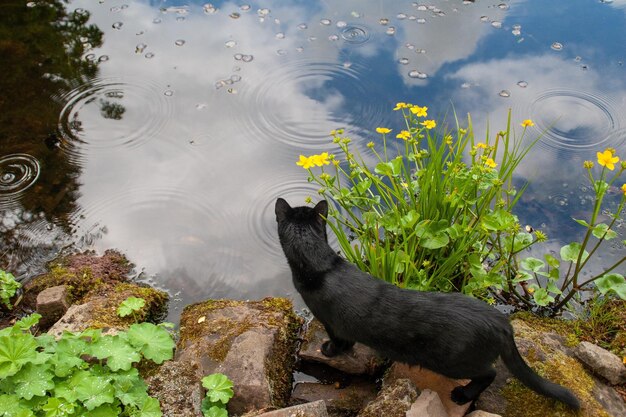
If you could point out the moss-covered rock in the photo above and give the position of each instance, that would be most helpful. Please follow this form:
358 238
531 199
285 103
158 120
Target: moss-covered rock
252 342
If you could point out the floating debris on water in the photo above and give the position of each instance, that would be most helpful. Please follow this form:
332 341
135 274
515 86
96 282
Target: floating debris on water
325 22
522 84
302 26
391 31
504 93
280 35
234 15
179 42
168 93
384 21
117 25
230 44
403 61
140 48
557 46
341 24
417 74
209 8
496 24
149 55
401 16
333 38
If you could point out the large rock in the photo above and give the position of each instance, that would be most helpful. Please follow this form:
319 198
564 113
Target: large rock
313 409
52 303
425 379
393 401
548 356
358 360
340 400
253 343
602 362
428 404
178 388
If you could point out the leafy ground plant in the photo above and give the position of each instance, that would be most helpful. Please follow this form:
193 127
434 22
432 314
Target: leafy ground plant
8 288
130 306
81 374
427 213
219 392
554 281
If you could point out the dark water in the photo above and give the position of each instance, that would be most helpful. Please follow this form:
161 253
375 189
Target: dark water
168 129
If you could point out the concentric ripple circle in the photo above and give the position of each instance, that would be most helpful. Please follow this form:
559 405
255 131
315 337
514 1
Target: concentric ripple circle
17 173
577 120
300 102
355 35
111 113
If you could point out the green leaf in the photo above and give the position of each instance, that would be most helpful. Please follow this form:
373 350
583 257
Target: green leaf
600 187
94 391
582 222
152 341
130 389
570 252
33 380
67 356
612 282
533 264
602 230
149 408
409 219
58 408
384 168
211 409
219 387
522 276
16 351
552 261
105 410
498 220
542 298
552 288
362 186
436 241
117 351
130 305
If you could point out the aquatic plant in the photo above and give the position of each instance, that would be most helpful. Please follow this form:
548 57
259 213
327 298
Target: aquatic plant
87 373
8 288
433 212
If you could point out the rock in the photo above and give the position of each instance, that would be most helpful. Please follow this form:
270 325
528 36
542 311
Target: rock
179 390
313 409
393 401
610 400
602 362
52 303
428 404
76 319
480 413
342 400
426 379
253 343
357 361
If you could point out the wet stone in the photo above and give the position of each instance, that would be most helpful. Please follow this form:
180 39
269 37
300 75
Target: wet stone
393 401
427 405
312 409
602 362
339 399
52 303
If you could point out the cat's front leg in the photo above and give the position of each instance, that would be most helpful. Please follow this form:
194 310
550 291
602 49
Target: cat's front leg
335 345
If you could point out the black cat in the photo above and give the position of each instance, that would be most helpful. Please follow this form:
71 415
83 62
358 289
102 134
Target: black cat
452 334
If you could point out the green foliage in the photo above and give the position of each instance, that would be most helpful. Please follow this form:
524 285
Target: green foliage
8 288
130 306
219 392
433 215
81 374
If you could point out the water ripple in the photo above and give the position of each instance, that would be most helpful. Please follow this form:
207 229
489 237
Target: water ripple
321 89
577 120
112 113
17 173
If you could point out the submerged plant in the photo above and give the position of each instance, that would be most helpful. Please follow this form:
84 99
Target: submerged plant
81 374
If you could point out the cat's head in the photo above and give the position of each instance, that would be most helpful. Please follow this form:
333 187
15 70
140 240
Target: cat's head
301 219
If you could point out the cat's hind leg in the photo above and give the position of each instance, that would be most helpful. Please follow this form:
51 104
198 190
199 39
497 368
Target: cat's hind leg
474 388
335 345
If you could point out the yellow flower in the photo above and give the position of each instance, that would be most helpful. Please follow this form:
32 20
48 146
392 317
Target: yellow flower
308 200
481 145
612 150
321 159
305 162
429 124
404 184
531 290
370 145
588 164
491 163
462 131
419 111
404 135
335 162
623 188
606 159
400 106
527 123
382 130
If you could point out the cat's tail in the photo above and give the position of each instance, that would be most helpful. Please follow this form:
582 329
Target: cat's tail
514 361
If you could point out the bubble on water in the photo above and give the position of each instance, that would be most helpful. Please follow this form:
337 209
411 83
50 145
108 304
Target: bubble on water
280 35
333 38
440 13
238 57
236 69
234 15
420 51
355 14
421 7
179 42
325 22
504 93
312 38
244 8
409 46
90 57
466 85
140 48
417 74
263 12
522 84
180 18
342 24
391 31
156 20
168 93
219 84
503 6
401 16
302 26
235 78
516 32
230 44
247 58
484 18
201 106
578 59
124 6
281 52
300 49
149 55
355 35
421 20
103 58
557 46
117 25
496 24
403 61
412 17
384 21
347 64
141 32
232 91
209 8
277 21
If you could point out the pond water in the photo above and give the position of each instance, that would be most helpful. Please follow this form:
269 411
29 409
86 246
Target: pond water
168 129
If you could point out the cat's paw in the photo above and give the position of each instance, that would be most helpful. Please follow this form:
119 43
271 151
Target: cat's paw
329 349
459 397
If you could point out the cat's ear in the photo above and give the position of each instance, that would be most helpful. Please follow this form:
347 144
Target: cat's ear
321 209
281 209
